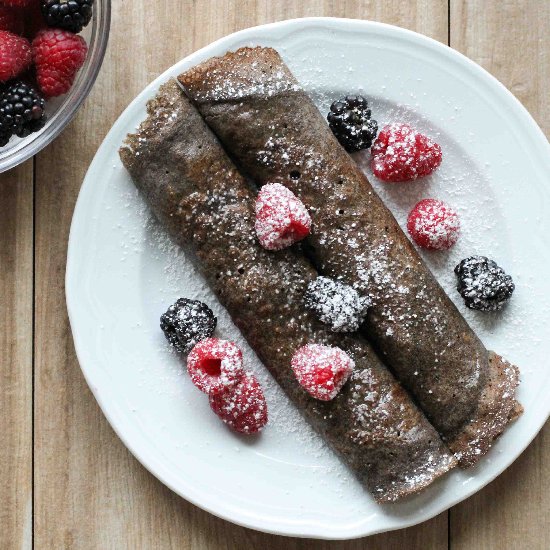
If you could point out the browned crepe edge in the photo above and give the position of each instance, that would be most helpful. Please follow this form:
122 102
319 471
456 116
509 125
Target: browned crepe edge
497 407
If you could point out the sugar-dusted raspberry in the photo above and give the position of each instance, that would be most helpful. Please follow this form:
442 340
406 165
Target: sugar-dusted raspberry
400 153
281 218
215 365
243 408
433 225
322 370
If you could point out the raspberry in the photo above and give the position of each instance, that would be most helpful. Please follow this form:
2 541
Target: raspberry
243 408
322 370
17 3
281 218
11 20
433 225
215 366
58 55
15 55
400 153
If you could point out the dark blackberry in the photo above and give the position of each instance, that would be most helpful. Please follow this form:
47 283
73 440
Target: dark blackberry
72 15
350 121
336 304
5 129
483 284
4 136
21 111
186 323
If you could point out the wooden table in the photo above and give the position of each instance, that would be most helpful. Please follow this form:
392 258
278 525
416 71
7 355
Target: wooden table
66 480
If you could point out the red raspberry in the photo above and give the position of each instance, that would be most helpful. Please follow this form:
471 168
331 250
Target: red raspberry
215 365
281 218
243 408
15 55
402 154
322 370
58 55
34 20
433 225
18 3
11 20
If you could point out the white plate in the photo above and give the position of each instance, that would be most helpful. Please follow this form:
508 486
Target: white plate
122 273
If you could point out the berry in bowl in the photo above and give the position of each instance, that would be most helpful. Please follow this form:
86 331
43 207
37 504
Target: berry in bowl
50 54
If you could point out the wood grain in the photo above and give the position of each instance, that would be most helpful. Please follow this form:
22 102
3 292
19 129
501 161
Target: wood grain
89 492
16 295
510 39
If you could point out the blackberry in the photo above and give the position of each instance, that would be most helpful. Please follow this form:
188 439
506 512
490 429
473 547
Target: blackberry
483 284
6 130
72 15
21 111
186 323
336 304
350 121
5 136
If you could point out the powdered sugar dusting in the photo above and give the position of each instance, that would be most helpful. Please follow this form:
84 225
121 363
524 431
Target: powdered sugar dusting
263 84
215 366
281 218
433 224
186 322
182 277
400 153
411 321
463 180
330 493
244 408
338 305
322 370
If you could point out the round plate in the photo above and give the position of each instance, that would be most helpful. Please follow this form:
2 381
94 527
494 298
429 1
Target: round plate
122 273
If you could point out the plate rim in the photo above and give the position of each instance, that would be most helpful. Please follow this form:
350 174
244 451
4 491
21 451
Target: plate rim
234 514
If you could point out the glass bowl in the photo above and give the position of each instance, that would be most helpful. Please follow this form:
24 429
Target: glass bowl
61 110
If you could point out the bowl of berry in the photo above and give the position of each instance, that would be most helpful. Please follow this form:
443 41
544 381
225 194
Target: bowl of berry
50 54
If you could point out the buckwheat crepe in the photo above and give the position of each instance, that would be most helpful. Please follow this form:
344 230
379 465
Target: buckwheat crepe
272 129
205 204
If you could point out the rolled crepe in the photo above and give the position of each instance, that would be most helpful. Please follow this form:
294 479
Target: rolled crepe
205 204
275 133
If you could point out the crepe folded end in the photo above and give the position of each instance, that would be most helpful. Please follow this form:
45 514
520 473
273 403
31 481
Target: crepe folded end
497 407
246 72
171 148
407 452
162 112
